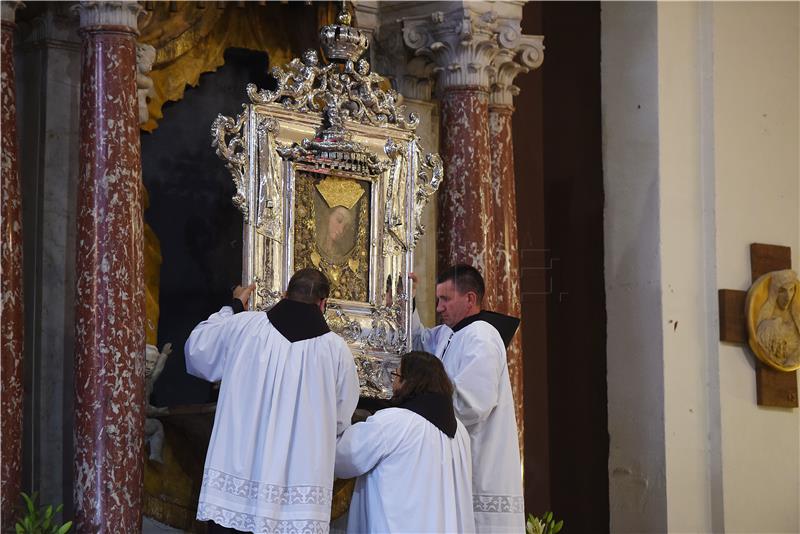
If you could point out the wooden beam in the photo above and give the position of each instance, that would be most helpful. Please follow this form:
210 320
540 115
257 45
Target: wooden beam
732 323
775 388
765 258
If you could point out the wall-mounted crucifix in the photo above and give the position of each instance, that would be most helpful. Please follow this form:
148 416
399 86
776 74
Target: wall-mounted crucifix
767 317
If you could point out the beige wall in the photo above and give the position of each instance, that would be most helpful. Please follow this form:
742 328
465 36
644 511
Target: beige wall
701 137
425 253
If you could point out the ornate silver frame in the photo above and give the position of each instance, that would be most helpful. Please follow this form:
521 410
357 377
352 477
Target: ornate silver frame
333 119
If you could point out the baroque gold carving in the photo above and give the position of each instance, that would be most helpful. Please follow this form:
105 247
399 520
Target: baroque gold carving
340 192
773 319
191 38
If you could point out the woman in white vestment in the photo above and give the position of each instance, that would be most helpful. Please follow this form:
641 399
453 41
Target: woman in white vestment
412 459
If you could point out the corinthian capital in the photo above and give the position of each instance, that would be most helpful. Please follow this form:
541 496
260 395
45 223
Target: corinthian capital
518 54
460 43
476 44
8 10
95 14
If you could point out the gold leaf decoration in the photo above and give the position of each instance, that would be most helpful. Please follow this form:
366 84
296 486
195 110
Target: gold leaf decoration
340 192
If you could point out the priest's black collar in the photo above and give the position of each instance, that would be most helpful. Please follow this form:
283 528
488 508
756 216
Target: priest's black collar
436 408
505 325
298 321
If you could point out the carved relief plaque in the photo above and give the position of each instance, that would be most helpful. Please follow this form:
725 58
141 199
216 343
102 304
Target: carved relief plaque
773 319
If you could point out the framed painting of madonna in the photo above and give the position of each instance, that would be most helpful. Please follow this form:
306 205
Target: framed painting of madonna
329 174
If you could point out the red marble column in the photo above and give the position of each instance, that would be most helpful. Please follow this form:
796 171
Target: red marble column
504 243
11 350
465 198
109 330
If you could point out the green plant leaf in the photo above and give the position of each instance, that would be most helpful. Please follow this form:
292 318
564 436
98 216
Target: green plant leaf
557 527
64 528
29 502
19 528
59 508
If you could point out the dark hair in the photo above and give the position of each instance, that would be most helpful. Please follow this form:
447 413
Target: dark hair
466 278
309 286
422 372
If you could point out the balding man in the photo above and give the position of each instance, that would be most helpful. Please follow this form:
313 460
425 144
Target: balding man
289 388
472 346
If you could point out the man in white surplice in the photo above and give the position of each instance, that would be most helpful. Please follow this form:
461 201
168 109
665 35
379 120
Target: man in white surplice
470 345
412 459
289 389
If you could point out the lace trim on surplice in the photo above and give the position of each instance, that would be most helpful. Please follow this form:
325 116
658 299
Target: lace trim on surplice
266 493
260 524
503 504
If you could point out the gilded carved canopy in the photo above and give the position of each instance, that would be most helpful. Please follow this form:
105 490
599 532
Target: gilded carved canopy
190 39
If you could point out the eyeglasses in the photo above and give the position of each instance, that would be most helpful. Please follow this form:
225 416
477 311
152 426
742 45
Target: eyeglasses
396 374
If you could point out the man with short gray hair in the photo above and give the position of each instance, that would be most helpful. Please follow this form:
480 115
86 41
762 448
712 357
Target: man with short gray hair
472 346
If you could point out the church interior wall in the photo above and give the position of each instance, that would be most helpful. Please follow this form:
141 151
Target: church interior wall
700 157
557 151
425 251
757 181
636 470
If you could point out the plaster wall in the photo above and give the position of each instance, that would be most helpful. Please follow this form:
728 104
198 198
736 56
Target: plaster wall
756 124
425 252
629 85
717 170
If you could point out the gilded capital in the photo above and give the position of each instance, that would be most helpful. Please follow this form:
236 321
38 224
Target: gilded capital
119 14
8 10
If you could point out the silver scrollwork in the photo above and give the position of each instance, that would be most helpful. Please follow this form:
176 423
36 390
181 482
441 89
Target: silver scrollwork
354 93
426 187
234 152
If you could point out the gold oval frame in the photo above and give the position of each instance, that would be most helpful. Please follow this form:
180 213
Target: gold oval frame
757 295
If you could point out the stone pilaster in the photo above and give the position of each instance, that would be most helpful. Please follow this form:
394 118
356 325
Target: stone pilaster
109 316
48 68
12 330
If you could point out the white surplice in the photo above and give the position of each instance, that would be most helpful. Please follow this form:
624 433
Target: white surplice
412 477
281 406
475 360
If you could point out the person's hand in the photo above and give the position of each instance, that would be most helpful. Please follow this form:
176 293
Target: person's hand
243 293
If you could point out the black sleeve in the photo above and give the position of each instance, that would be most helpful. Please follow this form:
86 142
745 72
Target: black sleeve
237 305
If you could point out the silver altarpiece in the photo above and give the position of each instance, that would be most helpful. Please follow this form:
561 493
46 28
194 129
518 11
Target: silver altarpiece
329 173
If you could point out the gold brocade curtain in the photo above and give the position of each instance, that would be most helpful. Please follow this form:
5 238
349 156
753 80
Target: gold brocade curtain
190 38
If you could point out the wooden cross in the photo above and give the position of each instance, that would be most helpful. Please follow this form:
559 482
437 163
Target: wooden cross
773 387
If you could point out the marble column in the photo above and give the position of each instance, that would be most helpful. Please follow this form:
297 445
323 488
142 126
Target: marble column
518 54
109 315
12 330
461 45
477 50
